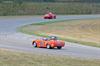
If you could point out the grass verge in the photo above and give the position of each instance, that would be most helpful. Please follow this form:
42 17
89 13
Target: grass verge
9 58
71 30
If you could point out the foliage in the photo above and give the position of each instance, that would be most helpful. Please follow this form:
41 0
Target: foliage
54 0
40 8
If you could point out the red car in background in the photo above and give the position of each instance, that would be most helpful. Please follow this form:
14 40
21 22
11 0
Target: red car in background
49 43
50 15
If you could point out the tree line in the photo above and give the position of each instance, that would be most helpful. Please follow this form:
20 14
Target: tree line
34 7
82 1
41 8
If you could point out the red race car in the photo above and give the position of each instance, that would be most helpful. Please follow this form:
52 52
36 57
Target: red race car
49 43
50 15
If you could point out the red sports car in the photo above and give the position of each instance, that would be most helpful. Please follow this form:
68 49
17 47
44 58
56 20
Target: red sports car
50 15
49 43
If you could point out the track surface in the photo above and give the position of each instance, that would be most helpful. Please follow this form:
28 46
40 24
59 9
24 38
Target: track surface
11 39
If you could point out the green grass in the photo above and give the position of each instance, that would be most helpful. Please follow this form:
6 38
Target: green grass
65 39
10 58
86 32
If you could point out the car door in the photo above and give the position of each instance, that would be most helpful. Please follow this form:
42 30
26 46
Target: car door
41 43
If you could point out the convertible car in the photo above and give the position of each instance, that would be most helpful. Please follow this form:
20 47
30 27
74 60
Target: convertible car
50 15
49 43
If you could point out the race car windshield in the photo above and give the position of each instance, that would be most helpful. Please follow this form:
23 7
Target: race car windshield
53 38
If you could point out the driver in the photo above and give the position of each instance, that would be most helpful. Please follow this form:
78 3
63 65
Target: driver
45 39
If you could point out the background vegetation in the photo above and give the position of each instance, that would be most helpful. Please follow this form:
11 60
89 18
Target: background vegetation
53 1
38 7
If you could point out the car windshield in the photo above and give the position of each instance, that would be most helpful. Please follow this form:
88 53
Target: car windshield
53 38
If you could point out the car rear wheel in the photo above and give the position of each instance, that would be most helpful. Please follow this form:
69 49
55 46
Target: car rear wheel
54 17
49 47
59 47
34 44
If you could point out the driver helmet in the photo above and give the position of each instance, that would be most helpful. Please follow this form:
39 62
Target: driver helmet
45 39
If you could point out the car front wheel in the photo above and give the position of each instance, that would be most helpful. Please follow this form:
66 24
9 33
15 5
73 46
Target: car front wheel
34 44
49 47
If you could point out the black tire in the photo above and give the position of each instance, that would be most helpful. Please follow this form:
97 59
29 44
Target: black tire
54 17
34 44
48 46
59 47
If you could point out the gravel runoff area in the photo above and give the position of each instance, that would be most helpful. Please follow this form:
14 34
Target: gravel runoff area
11 39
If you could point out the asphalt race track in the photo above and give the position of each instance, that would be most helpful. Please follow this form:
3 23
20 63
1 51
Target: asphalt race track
13 40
